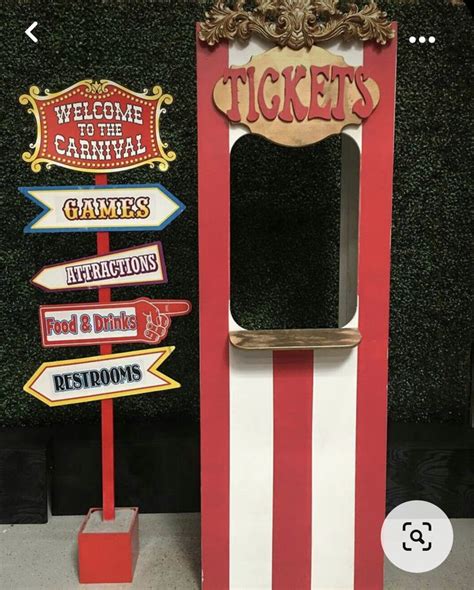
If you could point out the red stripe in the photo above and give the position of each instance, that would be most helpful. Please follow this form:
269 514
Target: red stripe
374 285
214 289
293 400
106 405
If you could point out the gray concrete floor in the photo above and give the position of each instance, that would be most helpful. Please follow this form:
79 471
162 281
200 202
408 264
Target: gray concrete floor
43 557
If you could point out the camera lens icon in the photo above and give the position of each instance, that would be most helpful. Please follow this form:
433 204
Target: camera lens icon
417 536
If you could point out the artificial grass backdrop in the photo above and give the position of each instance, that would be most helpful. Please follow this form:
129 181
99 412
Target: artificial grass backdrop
142 43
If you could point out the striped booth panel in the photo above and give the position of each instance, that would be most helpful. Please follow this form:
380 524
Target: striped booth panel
293 443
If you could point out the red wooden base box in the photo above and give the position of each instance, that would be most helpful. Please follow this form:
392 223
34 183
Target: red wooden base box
108 549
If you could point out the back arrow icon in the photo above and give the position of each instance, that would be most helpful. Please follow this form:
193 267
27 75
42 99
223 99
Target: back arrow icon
30 34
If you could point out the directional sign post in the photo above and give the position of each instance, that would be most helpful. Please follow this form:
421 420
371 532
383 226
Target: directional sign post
100 127
107 405
116 207
142 320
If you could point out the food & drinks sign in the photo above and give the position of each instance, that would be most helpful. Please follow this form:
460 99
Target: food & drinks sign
123 322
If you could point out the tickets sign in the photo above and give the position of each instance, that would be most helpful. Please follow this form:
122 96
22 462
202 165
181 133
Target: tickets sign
132 266
296 98
116 207
98 127
142 320
93 378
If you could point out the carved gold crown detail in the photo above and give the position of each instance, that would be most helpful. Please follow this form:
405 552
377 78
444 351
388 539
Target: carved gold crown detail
294 23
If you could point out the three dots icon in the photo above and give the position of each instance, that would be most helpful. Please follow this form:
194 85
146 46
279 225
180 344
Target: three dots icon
422 39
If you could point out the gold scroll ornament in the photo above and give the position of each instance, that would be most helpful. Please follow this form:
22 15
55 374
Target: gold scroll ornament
265 86
295 23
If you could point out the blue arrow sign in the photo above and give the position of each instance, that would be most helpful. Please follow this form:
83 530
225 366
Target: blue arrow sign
112 207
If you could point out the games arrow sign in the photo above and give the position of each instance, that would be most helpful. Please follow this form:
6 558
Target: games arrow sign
115 207
141 320
132 266
75 381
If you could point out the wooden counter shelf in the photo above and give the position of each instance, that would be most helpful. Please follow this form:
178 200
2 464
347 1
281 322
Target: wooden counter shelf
301 339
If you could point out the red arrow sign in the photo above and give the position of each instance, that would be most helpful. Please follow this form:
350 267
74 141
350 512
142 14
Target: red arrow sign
132 266
141 320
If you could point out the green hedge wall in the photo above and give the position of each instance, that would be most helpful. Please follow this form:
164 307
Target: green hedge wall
141 43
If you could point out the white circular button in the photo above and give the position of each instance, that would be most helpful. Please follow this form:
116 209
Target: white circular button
417 536
412 39
422 39
431 39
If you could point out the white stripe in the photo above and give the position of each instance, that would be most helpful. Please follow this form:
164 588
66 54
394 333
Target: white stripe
251 435
335 398
333 464
251 469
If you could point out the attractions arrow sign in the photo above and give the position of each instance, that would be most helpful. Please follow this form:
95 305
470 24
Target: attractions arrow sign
132 266
75 381
141 320
114 207
98 127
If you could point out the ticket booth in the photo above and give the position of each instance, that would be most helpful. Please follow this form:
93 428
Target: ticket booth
293 422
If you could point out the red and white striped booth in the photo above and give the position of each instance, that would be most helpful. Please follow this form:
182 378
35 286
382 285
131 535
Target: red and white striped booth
293 442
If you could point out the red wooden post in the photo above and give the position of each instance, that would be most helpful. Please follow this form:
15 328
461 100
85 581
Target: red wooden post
107 405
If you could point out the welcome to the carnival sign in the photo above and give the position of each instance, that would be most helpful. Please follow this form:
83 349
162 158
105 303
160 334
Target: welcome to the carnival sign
98 127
